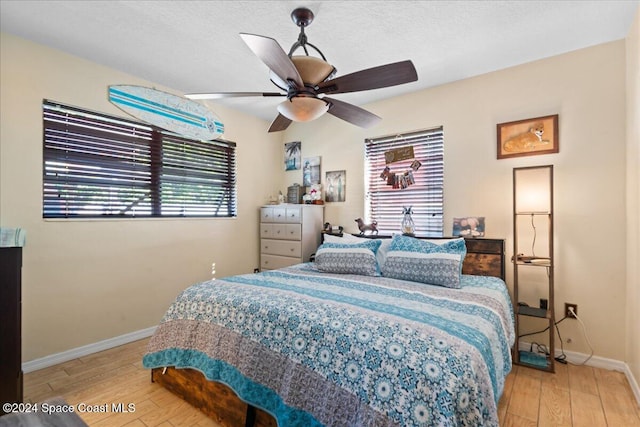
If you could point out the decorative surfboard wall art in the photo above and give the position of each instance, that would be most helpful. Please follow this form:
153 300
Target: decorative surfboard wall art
167 111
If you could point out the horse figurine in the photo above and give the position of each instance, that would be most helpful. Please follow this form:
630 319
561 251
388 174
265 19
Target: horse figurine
373 227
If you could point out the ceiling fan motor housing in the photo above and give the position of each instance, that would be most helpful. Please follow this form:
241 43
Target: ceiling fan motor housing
302 17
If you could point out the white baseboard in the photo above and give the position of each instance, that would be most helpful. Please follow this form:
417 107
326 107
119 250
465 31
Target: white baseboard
597 362
74 353
633 383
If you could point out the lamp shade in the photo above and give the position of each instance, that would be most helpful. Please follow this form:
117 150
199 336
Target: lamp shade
532 190
303 109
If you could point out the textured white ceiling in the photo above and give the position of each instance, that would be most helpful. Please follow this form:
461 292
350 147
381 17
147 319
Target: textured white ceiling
194 46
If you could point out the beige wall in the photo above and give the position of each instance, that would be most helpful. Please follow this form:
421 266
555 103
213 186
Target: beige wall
587 89
633 198
86 281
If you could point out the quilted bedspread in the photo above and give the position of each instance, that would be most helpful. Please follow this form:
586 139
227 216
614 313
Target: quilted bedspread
313 348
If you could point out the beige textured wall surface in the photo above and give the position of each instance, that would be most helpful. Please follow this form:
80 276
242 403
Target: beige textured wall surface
587 89
87 281
633 197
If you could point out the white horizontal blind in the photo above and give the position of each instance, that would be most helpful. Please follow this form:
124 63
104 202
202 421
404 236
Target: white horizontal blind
384 203
95 165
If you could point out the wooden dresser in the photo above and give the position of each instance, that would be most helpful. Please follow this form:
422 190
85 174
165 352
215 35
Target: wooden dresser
10 325
289 234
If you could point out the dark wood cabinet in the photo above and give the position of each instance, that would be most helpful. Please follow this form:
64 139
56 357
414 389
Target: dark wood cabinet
485 257
10 325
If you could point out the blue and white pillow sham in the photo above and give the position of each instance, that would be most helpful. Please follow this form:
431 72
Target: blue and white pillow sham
425 262
350 239
344 258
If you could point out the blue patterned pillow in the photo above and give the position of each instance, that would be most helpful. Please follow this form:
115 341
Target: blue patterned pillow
343 258
425 262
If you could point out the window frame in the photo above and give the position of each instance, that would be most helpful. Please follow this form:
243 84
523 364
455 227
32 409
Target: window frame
101 166
384 204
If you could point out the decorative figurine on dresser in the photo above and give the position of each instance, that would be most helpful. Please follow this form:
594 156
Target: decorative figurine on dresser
289 234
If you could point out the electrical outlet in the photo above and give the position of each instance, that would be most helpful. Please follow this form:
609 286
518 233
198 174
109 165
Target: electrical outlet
567 313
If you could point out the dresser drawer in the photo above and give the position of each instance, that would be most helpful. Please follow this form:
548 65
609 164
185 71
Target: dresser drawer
266 230
293 215
281 247
266 214
281 231
279 214
293 231
272 262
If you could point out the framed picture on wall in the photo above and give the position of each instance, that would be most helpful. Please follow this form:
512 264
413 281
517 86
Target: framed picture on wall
528 137
292 155
336 184
311 171
471 226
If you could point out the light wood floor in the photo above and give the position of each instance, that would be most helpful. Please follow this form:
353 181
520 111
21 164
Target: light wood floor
574 396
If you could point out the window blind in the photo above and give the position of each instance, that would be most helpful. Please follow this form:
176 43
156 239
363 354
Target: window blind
95 165
384 203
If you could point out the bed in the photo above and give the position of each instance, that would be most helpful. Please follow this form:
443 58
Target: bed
312 345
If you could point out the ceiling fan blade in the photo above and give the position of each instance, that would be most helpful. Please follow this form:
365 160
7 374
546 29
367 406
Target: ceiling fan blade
387 75
270 52
279 123
351 113
219 95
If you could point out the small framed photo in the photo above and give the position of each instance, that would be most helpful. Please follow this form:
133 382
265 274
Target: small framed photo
335 186
528 137
472 226
311 171
292 155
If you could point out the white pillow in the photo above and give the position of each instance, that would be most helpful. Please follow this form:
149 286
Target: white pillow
330 238
345 238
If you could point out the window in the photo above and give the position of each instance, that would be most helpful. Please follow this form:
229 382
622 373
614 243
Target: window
98 166
384 203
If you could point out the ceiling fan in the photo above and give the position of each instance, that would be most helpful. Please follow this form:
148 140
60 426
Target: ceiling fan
305 80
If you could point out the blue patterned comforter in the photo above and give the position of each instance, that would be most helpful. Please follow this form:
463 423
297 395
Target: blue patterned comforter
313 348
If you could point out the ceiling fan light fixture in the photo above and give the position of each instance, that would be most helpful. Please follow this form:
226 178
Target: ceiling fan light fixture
303 108
312 70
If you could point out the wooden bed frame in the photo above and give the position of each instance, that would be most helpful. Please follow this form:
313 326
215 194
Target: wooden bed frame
485 257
